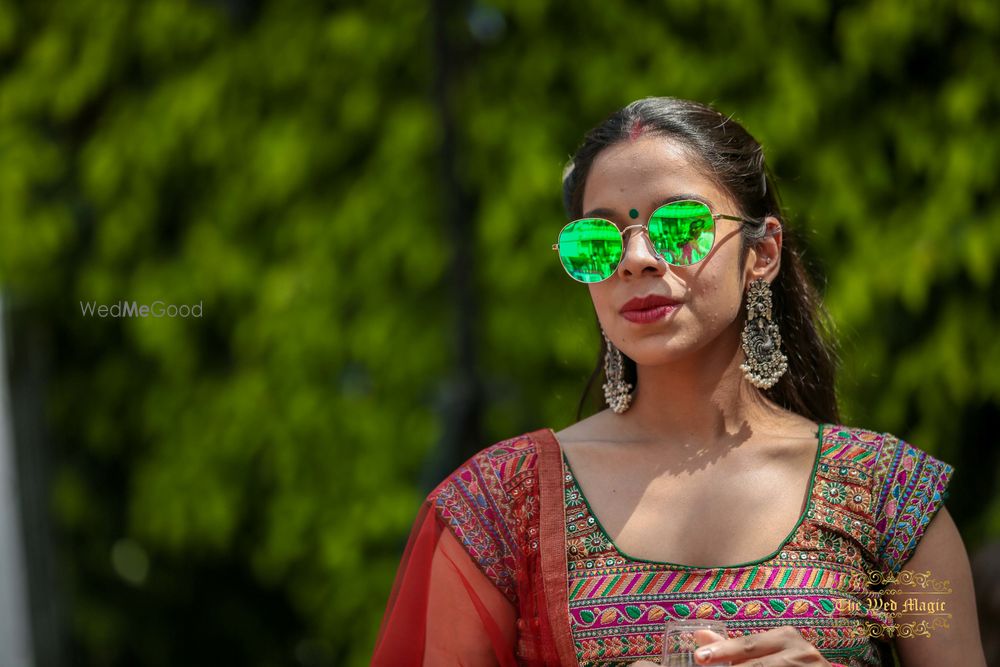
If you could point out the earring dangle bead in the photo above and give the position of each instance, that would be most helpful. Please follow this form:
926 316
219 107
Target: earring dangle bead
765 363
616 390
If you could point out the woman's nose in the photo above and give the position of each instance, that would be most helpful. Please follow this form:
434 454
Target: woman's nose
639 254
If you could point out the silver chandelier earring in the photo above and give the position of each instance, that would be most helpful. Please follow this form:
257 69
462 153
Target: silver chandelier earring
616 390
765 363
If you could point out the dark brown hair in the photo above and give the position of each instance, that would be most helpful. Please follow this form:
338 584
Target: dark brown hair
734 160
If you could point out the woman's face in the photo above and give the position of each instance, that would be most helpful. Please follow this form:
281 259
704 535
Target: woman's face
640 174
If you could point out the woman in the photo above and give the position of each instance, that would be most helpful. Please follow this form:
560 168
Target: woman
720 441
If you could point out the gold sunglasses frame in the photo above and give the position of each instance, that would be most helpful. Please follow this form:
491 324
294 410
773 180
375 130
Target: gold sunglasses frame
645 227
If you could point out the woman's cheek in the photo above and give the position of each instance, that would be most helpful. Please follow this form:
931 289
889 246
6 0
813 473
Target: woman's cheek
708 323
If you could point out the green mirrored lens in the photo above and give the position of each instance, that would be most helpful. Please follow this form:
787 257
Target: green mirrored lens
590 249
682 231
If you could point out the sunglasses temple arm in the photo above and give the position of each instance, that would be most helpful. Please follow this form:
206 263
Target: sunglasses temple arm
751 222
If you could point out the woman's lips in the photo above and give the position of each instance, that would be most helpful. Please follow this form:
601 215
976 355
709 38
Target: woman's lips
650 314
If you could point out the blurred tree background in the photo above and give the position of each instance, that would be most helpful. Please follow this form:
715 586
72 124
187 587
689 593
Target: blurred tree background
363 199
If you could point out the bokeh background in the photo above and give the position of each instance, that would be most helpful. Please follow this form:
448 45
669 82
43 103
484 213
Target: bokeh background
362 198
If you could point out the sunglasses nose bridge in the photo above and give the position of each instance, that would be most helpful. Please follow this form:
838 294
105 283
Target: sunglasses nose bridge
630 232
645 241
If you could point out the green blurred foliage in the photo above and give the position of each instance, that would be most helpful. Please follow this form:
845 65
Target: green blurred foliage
236 488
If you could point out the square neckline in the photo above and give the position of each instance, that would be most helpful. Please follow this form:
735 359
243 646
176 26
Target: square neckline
567 469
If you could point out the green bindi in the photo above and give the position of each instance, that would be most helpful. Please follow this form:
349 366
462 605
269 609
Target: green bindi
633 214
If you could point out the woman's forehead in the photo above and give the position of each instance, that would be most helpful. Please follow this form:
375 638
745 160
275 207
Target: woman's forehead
634 174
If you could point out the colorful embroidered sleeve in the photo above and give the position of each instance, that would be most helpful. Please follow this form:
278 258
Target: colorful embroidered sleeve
474 505
911 486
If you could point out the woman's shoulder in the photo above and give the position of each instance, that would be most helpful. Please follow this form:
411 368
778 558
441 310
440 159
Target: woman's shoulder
500 467
884 460
877 451
907 484
854 442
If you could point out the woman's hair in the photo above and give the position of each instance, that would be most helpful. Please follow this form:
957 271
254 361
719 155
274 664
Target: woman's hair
733 159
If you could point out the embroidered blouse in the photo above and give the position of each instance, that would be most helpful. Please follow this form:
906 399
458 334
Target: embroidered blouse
515 540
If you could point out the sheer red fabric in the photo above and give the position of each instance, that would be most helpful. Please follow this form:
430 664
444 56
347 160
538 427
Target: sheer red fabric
443 609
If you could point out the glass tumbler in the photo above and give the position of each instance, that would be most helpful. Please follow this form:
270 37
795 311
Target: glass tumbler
679 643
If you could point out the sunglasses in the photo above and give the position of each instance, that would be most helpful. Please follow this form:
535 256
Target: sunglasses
682 233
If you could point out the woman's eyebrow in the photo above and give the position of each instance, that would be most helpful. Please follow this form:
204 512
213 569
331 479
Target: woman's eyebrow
600 213
610 213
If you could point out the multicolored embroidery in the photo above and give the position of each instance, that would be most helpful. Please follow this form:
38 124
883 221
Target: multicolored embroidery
816 582
871 500
489 504
906 504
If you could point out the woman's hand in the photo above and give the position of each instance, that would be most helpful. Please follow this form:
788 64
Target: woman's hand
784 646
781 646
701 636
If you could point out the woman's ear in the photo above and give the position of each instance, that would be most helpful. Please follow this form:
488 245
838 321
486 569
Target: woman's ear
764 258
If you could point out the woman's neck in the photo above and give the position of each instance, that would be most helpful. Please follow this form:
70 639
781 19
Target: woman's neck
702 399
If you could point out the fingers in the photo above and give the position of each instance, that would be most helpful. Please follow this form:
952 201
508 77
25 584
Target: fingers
705 636
743 649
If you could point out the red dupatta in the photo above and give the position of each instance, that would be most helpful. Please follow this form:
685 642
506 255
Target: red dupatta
445 607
